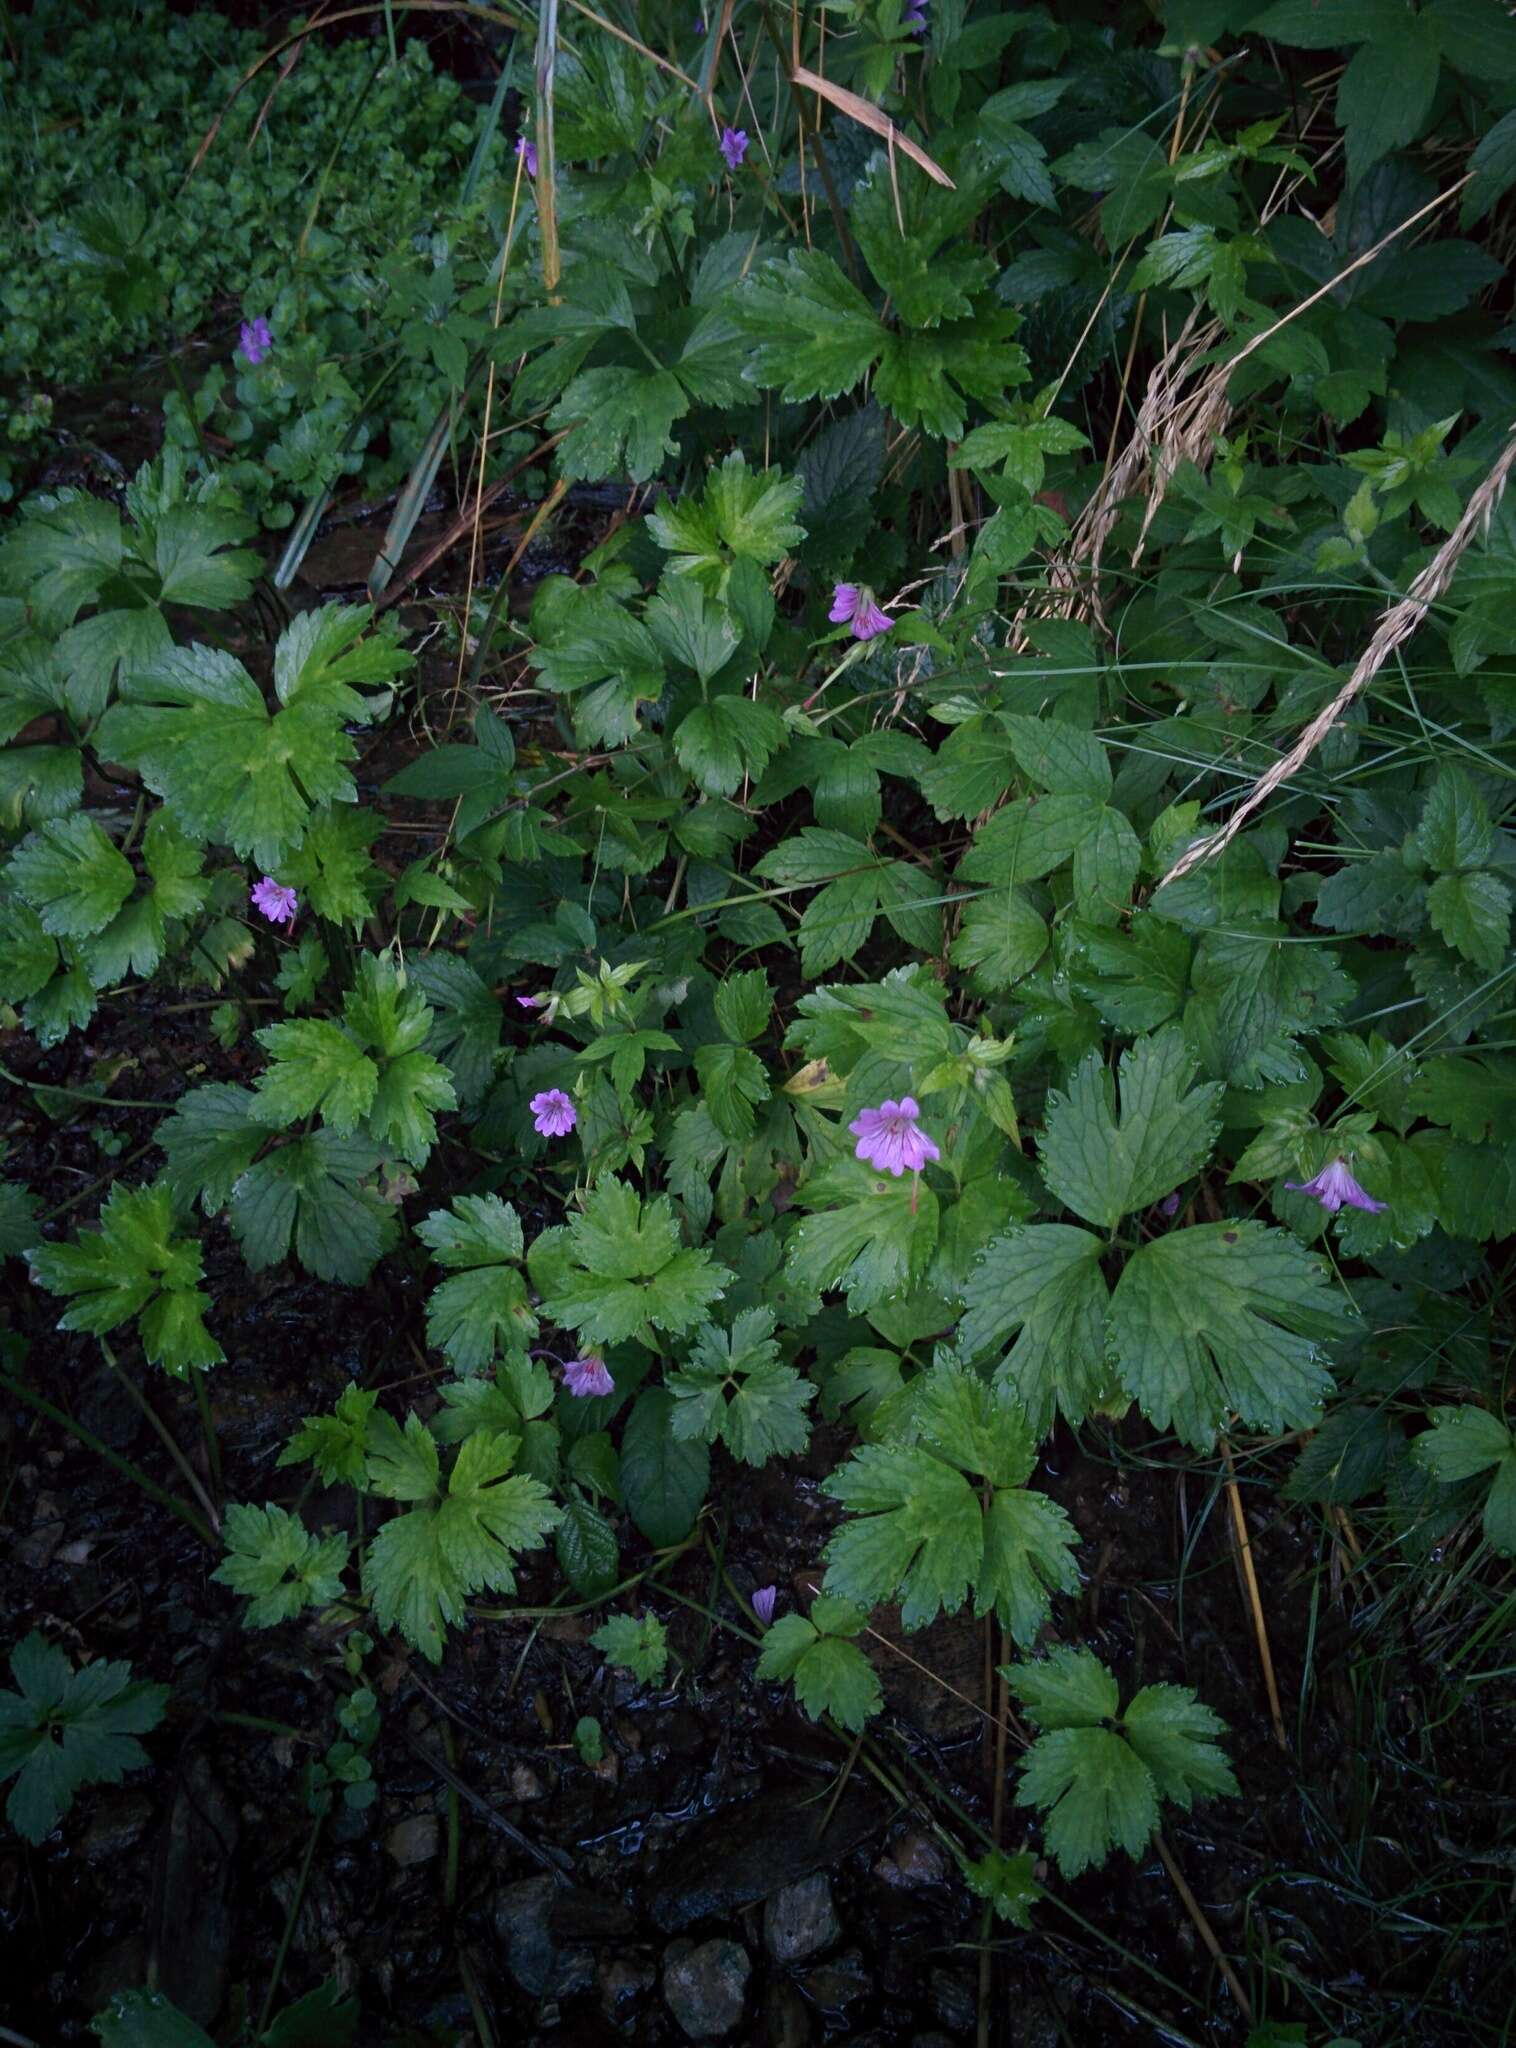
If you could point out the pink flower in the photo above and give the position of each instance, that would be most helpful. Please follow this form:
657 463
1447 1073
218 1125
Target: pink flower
532 1002
255 341
1335 1185
587 1377
763 1603
733 147
890 1138
277 903
552 1113
527 151
855 602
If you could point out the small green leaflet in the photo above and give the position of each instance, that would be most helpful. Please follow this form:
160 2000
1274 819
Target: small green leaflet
422 1566
626 1272
276 1561
1007 1881
733 1388
920 1531
1100 1779
1044 1283
830 1674
589 647
1461 1444
72 876
195 725
1225 1318
479 779
1103 1167
18 1225
743 515
314 1190
869 1236
858 888
663 1477
64 1729
640 1647
134 1265
466 1020
732 1084
335 1444
482 1310
1033 836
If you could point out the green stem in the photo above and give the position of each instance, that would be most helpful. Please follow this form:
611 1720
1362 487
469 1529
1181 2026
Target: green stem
124 1466
454 1823
83 1094
165 1435
289 1928
212 1441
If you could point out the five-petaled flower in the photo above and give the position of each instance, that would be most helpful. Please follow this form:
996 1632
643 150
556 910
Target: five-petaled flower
527 151
1335 1185
733 146
763 1603
255 340
552 1113
587 1377
890 1138
853 603
277 903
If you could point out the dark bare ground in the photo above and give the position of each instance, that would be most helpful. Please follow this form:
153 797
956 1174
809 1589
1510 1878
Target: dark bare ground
576 1886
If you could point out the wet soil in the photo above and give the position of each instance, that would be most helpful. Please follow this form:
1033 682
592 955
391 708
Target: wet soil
588 1900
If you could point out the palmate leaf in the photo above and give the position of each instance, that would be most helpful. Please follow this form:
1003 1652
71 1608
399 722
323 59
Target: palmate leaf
814 334
422 1566
922 1533
196 727
591 648
64 1729
135 939
1100 1780
742 515
483 1309
1044 1287
626 1274
278 1564
829 1672
733 1388
1461 1444
311 1191
868 1236
335 1444
466 1019
1225 1318
640 1647
72 875
1103 1167
134 1265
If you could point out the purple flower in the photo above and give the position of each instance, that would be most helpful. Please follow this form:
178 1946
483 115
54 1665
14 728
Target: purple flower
763 1603
552 1113
890 1138
1169 1206
528 150
277 903
733 147
855 602
913 17
256 340
532 1002
587 1377
1335 1185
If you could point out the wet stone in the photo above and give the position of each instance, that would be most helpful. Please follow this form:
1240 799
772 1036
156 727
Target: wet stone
912 1861
786 2023
955 2000
119 1820
624 1982
524 1927
834 1986
706 1986
413 1840
749 1851
800 1921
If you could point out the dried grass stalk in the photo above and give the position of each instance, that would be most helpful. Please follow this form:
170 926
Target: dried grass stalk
1395 625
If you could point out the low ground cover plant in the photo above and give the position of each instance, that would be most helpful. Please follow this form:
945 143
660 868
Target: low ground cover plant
792 976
